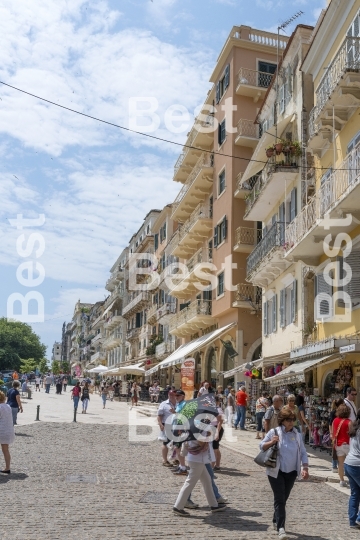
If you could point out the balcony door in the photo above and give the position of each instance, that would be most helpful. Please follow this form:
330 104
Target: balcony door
353 162
266 71
352 45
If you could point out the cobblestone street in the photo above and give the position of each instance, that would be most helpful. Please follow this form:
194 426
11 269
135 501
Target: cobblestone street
124 492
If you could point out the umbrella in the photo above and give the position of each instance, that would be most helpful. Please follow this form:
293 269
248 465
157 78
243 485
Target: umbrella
135 369
200 412
98 369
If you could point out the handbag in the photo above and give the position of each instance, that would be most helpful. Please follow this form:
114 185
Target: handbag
268 458
334 453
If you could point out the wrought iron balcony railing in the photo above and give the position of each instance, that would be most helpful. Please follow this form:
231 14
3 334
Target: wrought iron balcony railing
274 238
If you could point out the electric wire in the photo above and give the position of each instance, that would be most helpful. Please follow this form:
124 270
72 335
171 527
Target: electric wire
214 152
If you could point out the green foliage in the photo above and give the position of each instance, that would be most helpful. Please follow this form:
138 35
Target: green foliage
65 366
154 341
55 367
43 366
17 341
28 365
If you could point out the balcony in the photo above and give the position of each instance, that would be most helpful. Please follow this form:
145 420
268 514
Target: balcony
204 132
269 186
252 83
113 321
187 159
185 284
198 185
247 133
164 349
114 279
246 238
247 297
192 233
133 333
338 89
98 357
113 339
197 316
137 304
159 313
338 196
97 338
266 261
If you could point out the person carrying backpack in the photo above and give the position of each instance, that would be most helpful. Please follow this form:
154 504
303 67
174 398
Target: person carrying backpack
85 398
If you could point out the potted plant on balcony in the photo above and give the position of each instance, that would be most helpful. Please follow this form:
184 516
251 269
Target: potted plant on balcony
295 148
270 151
279 146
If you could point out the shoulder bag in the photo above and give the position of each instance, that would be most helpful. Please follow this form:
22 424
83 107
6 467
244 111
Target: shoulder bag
334 454
268 458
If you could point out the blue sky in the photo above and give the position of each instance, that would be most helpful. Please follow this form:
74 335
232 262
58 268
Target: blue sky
96 183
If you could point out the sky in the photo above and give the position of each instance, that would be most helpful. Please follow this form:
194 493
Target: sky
95 183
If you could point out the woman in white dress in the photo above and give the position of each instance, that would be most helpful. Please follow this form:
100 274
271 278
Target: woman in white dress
7 431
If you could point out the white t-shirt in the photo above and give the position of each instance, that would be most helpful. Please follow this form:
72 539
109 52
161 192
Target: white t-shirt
203 391
37 380
350 405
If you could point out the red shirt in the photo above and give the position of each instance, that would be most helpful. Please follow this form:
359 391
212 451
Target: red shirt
241 398
343 437
76 391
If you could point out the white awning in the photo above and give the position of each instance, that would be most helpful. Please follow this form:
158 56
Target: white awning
189 348
258 159
109 308
132 369
296 372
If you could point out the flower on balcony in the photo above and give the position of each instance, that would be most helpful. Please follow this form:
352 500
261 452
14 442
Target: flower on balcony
286 147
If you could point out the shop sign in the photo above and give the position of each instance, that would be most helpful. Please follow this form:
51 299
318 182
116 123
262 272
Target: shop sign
188 377
355 347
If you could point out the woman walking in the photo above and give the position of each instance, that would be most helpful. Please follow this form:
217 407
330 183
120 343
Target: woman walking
75 395
134 394
291 454
341 438
85 398
335 404
14 401
7 431
219 433
294 408
260 408
352 471
104 393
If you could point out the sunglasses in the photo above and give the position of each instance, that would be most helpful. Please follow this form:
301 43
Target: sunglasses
290 420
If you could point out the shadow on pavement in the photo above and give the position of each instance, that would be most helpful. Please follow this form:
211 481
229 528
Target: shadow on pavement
4 478
22 434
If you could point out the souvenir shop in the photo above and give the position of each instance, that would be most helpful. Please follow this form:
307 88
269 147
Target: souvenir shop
320 381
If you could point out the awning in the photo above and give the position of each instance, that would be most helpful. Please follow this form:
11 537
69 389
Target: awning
231 372
296 372
132 369
109 308
189 348
258 159
75 364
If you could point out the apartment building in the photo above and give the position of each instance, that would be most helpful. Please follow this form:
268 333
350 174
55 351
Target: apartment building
56 351
66 342
80 330
325 235
219 314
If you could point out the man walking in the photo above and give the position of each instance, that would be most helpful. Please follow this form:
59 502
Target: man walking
350 402
48 381
271 415
241 403
165 410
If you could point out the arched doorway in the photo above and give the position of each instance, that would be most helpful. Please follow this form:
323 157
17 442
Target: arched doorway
197 370
228 364
211 370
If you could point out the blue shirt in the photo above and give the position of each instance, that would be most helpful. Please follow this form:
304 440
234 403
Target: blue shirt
11 398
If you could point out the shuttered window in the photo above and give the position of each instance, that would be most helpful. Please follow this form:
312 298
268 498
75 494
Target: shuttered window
323 298
293 301
223 83
220 232
353 287
282 308
265 328
288 305
222 132
274 313
293 204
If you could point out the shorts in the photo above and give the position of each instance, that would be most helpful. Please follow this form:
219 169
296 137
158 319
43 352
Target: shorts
216 444
342 450
37 385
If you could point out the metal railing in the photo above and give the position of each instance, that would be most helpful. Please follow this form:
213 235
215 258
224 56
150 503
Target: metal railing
202 211
248 293
166 347
337 186
274 238
142 297
253 77
347 59
245 235
247 128
184 153
198 307
206 160
133 333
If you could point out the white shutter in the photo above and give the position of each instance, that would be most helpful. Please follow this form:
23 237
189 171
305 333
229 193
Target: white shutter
353 288
265 318
282 308
294 301
323 299
274 313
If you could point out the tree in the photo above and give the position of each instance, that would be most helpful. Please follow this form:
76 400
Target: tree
65 366
17 341
43 366
28 365
55 367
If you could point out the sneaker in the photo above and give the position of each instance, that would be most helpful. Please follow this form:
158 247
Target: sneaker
180 513
219 508
343 483
191 505
166 464
176 462
283 535
217 468
181 472
222 500
335 470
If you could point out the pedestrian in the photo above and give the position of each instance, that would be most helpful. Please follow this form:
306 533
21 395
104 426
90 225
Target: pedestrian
48 381
65 383
351 394
180 404
272 412
14 401
241 403
227 390
218 421
75 395
134 394
291 454
290 404
104 393
230 407
85 398
260 409
303 423
335 404
37 383
204 389
352 471
7 431
341 438
198 456
156 392
25 389
165 411
58 385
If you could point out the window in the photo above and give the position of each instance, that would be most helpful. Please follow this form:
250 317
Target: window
222 132
210 250
220 232
163 233
148 229
222 182
156 241
270 316
154 330
223 84
323 298
220 288
161 330
211 207
353 287
144 344
266 72
288 304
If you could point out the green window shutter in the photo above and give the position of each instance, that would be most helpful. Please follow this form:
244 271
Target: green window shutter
293 204
224 228
227 76
156 241
215 236
217 92
282 308
274 313
294 301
